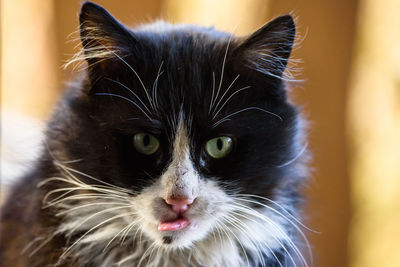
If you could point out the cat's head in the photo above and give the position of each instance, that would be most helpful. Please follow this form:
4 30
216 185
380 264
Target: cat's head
179 125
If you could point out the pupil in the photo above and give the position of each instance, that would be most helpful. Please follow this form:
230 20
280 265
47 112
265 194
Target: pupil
146 140
219 144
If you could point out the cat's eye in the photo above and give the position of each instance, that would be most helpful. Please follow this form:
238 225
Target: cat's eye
145 143
219 147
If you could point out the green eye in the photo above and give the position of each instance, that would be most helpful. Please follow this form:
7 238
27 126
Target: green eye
145 143
219 147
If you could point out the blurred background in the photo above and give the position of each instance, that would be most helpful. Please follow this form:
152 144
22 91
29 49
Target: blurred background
350 52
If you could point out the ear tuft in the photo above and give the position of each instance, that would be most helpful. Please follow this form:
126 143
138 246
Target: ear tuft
268 49
102 35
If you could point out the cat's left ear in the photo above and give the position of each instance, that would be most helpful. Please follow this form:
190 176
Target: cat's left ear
268 49
103 37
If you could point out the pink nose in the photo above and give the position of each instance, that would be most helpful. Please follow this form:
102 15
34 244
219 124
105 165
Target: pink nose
179 205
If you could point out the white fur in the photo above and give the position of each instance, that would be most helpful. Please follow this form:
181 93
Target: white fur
116 228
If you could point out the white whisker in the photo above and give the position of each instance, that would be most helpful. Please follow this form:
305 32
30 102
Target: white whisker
116 235
45 242
131 91
116 189
246 209
44 201
249 212
91 229
80 197
301 152
145 254
155 85
30 244
283 216
137 76
246 109
222 70
90 205
109 210
226 91
238 226
238 241
127 99
279 205
212 94
232 95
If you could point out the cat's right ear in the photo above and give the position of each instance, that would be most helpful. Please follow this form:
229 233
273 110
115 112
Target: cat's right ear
268 49
104 39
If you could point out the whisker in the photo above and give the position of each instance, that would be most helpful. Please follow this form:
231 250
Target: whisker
131 91
275 238
285 217
83 188
45 242
226 102
44 201
137 75
279 205
116 235
222 70
121 189
246 109
79 186
31 243
57 179
89 205
263 242
222 232
301 152
145 254
255 213
238 241
238 226
80 197
155 85
125 234
212 94
140 228
90 230
219 234
249 211
226 91
100 213
151 253
127 99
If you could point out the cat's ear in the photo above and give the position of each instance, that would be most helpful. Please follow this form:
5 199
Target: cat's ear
268 49
103 37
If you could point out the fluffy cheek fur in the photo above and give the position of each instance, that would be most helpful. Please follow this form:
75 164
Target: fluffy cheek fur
211 205
114 227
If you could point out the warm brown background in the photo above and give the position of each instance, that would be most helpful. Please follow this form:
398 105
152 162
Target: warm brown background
331 34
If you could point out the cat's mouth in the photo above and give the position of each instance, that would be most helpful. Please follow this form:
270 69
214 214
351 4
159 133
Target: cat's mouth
174 225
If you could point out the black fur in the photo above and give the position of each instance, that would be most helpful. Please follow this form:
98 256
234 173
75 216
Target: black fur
96 119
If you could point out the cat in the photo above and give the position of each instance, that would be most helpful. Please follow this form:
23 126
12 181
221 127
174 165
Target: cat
177 146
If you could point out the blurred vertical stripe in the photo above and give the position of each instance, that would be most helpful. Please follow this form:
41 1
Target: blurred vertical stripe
29 70
374 131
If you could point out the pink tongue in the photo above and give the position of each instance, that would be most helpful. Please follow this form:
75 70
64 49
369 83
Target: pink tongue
174 225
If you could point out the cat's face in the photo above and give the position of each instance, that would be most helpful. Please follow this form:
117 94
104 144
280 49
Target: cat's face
184 119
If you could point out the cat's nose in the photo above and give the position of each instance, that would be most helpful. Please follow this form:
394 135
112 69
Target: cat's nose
179 205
